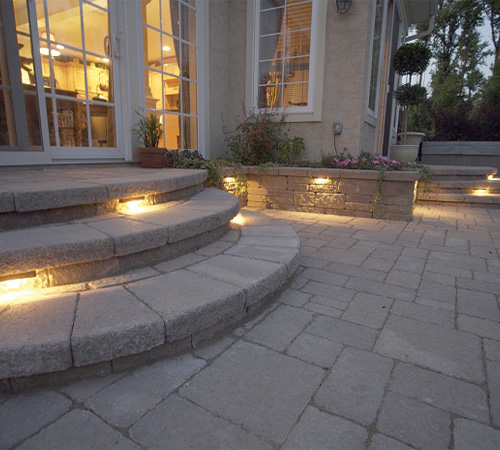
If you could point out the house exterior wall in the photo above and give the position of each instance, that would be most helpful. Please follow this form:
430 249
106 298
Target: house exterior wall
344 83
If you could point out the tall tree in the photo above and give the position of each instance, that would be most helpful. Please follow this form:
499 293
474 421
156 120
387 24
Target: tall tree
492 12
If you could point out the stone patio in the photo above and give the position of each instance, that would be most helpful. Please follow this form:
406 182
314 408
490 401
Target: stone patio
388 338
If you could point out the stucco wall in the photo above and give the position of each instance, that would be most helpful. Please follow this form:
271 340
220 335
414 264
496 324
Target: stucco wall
227 58
344 85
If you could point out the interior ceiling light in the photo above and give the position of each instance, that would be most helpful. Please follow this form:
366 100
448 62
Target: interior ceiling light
166 48
343 6
106 60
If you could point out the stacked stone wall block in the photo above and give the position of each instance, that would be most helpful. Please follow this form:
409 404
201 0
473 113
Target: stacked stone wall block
353 206
330 200
358 186
273 182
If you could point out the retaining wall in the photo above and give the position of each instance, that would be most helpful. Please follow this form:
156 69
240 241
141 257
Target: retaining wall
344 192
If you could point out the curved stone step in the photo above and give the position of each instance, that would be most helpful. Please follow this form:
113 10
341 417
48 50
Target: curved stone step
446 173
106 245
474 200
149 313
31 198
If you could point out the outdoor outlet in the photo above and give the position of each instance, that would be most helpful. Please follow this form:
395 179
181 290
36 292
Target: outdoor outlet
337 127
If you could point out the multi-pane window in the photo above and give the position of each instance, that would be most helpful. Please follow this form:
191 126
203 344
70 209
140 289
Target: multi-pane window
283 54
376 49
170 69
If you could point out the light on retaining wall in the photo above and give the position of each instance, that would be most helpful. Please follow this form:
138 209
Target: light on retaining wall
480 192
321 180
342 6
229 180
491 177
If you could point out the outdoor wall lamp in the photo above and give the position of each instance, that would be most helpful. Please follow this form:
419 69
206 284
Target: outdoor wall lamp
342 6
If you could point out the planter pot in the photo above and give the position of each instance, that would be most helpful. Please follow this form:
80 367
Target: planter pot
152 157
407 153
413 137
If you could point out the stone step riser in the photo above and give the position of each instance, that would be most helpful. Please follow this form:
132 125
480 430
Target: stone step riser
87 250
36 198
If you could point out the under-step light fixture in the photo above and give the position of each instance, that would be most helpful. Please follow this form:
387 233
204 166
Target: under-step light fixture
133 205
321 180
491 177
238 220
480 192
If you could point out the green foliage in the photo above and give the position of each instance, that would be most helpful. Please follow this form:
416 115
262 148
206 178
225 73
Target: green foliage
378 195
410 95
149 130
419 118
411 59
291 148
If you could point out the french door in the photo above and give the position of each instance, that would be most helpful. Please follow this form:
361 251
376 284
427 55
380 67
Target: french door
58 78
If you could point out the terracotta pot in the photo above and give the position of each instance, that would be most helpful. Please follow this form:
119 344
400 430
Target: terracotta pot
152 157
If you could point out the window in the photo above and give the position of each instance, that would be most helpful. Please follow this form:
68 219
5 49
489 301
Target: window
284 63
170 69
378 28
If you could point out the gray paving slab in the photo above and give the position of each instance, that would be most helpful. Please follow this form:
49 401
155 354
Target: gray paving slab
414 423
23 415
84 389
425 313
78 429
177 423
323 310
189 302
126 400
451 352
353 271
280 327
472 435
257 278
283 255
381 442
492 350
355 386
256 388
437 291
293 297
323 276
111 323
493 372
35 336
368 310
213 349
478 304
329 291
481 327
129 277
346 333
441 391
318 430
382 289
314 350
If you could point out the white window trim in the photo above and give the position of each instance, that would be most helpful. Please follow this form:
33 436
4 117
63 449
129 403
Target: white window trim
313 112
371 116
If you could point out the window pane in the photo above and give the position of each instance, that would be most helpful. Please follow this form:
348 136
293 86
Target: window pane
72 122
297 43
151 12
172 89
188 62
152 48
295 94
96 25
271 47
271 21
270 70
102 123
190 125
188 29
170 51
298 17
7 127
170 20
64 23
153 89
189 97
21 14
98 78
377 40
266 4
296 70
33 119
51 120
270 96
172 131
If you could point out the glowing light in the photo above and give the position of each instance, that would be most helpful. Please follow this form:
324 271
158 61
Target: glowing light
229 180
166 48
12 288
60 47
491 177
480 192
45 51
106 60
238 220
321 180
134 206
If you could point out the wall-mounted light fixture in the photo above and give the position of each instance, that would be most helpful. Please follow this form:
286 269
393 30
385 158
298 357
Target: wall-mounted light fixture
342 6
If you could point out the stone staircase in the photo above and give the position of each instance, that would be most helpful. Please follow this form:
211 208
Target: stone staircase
90 284
462 186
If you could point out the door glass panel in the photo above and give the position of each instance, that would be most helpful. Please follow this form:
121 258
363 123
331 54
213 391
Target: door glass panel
7 129
98 78
102 126
72 123
64 23
96 25
175 64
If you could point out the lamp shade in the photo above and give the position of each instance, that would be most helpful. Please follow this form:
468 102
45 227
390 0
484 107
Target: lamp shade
343 6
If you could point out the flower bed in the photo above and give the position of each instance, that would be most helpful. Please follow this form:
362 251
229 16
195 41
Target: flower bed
379 194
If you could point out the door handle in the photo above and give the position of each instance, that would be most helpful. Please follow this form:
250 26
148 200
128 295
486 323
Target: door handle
106 46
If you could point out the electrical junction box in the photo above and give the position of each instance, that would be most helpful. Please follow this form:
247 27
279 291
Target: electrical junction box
337 127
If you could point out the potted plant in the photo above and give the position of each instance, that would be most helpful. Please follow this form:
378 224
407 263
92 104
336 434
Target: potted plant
149 131
409 60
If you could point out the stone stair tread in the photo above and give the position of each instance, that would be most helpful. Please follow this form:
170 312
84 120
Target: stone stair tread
114 235
461 198
462 170
81 326
26 191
